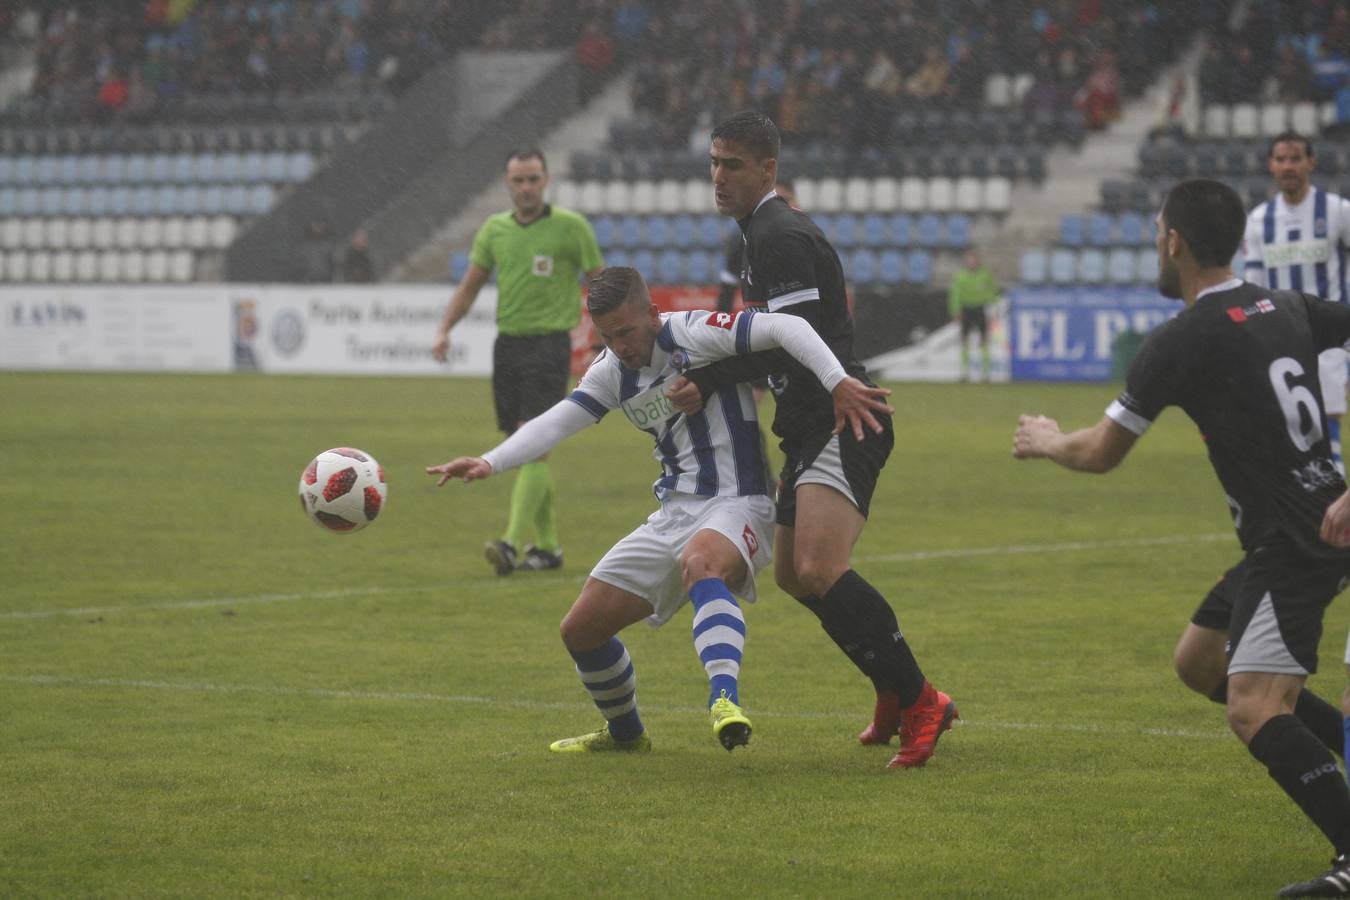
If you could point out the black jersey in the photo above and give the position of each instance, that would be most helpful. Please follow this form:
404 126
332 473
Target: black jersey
1242 363
788 266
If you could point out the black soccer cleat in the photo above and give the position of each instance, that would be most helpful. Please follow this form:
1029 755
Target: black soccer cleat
1333 883
502 556
537 560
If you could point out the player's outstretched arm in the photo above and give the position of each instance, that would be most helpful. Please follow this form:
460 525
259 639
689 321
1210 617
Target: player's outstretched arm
465 468
1097 449
856 405
1336 522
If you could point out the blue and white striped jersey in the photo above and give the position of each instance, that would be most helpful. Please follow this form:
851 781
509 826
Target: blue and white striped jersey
717 452
1300 248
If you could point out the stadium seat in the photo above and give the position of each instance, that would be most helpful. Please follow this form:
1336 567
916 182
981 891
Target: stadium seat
80 233
997 91
1146 266
44 170
75 201
629 232
104 233
1120 266
63 266
617 195
901 228
919 267
698 196
643 198
1303 118
180 266
670 196
670 267
1131 231
683 232
173 234
1091 266
16 265
251 168
617 258
184 168
1072 230
261 198
701 267
958 231
299 166
709 235
857 195
150 233
6 171
159 168
1274 118
1033 267
126 234
86 265
913 194
142 201
873 233
110 266
941 194
863 267
829 195
591 197
1063 266
1099 228
890 267
645 262
24 173
67 169
237 199
847 233
969 194
132 265
825 223
928 230
657 232
1216 120
11 233
805 189
564 193
197 233
605 234
166 200
57 233
9 202
885 193
1245 121
39 266
50 201
34 233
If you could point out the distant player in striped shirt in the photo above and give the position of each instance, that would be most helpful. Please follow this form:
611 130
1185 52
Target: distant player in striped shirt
714 528
1297 241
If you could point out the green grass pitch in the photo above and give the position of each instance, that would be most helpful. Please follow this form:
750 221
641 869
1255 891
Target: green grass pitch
204 695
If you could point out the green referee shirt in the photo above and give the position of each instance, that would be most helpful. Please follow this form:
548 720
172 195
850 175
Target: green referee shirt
537 265
971 288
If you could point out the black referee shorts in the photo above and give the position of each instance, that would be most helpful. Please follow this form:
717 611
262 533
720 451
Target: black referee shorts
973 318
529 375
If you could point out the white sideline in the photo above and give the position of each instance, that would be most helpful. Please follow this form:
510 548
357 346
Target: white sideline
423 697
917 556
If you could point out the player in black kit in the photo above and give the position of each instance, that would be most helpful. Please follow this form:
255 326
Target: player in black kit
828 477
1241 361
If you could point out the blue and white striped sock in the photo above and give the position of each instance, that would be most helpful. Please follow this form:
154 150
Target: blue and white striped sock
719 635
607 672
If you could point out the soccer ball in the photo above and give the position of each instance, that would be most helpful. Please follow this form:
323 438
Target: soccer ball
343 489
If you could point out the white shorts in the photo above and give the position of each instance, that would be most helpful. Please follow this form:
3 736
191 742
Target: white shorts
647 561
1331 372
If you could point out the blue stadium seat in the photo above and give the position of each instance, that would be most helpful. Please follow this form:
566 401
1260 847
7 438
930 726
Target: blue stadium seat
846 231
1099 228
825 222
236 200
96 201
166 200
670 267
205 168
251 167
863 267
710 231
1034 267
1120 266
230 167
645 262
1146 266
459 264
274 167
700 267
603 226
891 267
45 170
874 230
50 201
1063 266
143 201
190 200
299 166
659 233
616 258
630 232
683 231
212 200
901 227
90 169
6 170
1072 231
68 169
74 201
1092 265
24 173
136 168
1131 231
929 230
29 201
9 202
119 201
184 168
261 197
919 267
958 231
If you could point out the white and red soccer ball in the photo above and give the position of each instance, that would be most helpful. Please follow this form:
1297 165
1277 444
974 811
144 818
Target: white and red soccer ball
343 489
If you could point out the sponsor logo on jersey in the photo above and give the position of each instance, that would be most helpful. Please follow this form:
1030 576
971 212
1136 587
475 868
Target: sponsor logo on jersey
1243 313
751 542
543 266
1316 474
1295 254
722 319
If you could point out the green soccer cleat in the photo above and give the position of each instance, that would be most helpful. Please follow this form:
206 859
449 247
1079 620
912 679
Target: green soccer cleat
729 724
602 742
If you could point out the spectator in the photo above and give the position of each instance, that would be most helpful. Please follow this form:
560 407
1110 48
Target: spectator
357 265
316 255
1293 76
929 81
1099 100
595 55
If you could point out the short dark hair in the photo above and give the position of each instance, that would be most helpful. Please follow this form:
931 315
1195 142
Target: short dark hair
611 288
1290 137
1210 218
752 130
526 153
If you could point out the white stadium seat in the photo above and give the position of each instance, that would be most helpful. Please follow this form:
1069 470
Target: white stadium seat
63 266
698 196
941 194
997 194
564 193
913 194
11 234
805 189
133 266
198 232
1303 118
222 232
110 266
34 233
669 196
127 233
104 233
1216 118
81 233
969 194
857 195
591 197
180 266
1146 265
1246 121
40 266
829 195
1274 118
150 234
1120 266
1091 266
997 90
885 194
58 233
174 233
86 265
616 197
643 199
156 265
1021 83
16 266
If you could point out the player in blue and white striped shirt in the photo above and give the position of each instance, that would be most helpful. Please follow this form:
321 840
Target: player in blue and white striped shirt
714 529
1297 241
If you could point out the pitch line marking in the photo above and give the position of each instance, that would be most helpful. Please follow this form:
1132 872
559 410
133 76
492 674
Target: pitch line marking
538 705
918 556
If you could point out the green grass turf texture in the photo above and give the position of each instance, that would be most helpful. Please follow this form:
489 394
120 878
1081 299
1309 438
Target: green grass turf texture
203 694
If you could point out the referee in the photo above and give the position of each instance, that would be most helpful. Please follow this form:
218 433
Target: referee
539 252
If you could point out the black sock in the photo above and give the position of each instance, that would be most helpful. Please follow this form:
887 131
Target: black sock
841 628
1305 769
1323 720
883 646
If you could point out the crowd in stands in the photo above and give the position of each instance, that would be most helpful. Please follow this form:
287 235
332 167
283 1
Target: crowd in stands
1286 50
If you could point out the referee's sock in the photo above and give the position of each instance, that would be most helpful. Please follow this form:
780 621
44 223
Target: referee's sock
883 646
1305 769
719 636
1323 719
532 485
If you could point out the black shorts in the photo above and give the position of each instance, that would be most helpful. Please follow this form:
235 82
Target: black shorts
839 461
529 375
974 319
1274 602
